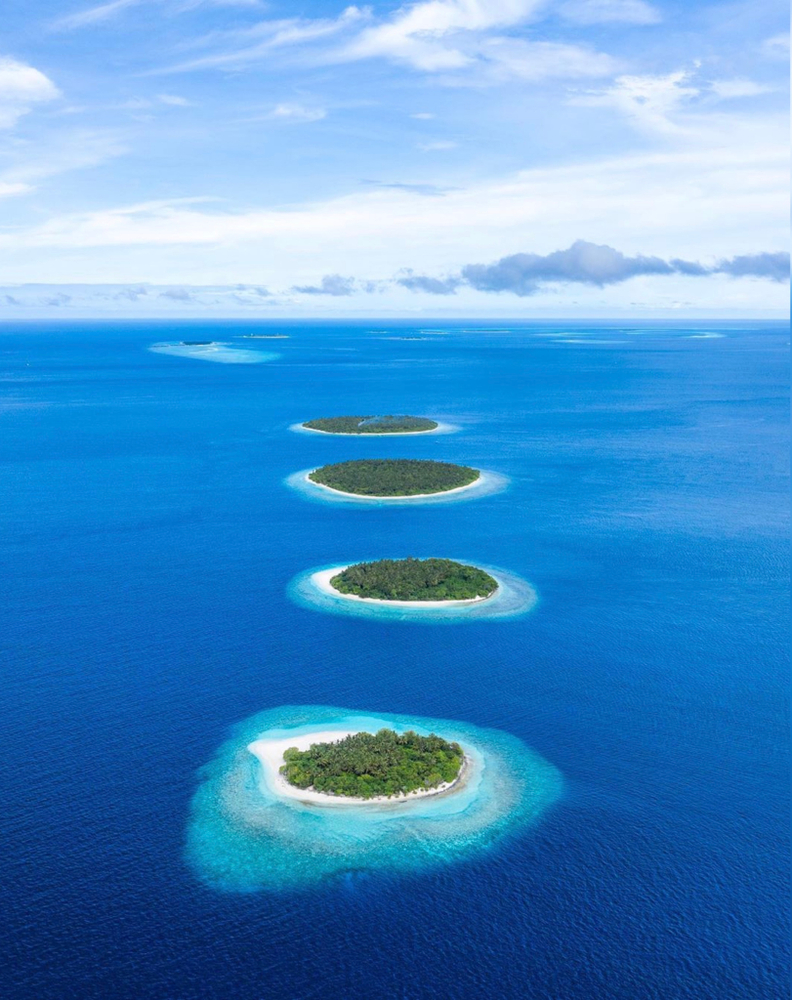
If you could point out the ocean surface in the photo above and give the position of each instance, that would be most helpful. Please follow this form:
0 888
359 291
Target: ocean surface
149 538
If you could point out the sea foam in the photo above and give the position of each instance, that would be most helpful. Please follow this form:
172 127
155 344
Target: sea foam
242 837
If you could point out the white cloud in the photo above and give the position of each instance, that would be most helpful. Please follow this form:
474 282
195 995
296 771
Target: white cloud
251 45
423 116
737 88
35 161
297 113
437 146
777 47
22 86
691 203
605 11
93 15
430 36
516 59
174 100
452 39
8 189
649 101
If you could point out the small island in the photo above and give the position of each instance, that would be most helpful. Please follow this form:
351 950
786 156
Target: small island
197 343
372 425
402 477
414 580
368 766
266 336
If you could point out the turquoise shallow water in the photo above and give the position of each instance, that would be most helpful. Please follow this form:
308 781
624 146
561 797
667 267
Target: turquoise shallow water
242 837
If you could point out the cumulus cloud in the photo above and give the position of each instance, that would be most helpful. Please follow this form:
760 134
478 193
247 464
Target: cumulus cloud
22 86
425 283
177 294
589 263
57 300
130 294
586 263
331 284
774 266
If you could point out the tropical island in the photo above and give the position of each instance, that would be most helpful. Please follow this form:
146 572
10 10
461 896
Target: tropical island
372 425
414 580
366 766
266 336
401 477
197 343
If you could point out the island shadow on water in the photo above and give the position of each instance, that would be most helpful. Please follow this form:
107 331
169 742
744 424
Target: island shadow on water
244 836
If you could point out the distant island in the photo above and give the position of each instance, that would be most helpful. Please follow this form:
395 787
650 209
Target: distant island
197 343
372 425
266 336
365 765
435 580
400 477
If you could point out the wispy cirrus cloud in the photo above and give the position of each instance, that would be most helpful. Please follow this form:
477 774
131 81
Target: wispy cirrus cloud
461 42
96 14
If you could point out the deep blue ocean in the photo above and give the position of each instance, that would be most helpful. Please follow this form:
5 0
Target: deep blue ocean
148 541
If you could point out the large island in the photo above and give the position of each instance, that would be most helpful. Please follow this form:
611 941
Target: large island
402 477
439 581
372 425
374 766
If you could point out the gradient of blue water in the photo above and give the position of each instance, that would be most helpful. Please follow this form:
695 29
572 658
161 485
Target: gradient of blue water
147 542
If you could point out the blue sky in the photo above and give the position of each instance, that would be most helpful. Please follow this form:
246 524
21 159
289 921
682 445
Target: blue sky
447 157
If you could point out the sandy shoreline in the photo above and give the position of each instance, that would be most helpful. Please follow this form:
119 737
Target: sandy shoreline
269 754
413 496
321 580
440 429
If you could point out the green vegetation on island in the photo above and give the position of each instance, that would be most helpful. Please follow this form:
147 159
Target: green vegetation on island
372 425
365 765
415 580
399 477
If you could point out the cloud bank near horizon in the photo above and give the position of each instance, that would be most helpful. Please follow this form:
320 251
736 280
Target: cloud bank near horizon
587 263
521 275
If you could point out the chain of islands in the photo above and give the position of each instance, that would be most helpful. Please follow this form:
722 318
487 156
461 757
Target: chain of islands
389 478
372 425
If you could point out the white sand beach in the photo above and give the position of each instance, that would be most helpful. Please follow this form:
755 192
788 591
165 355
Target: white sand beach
321 581
269 754
481 481
440 429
